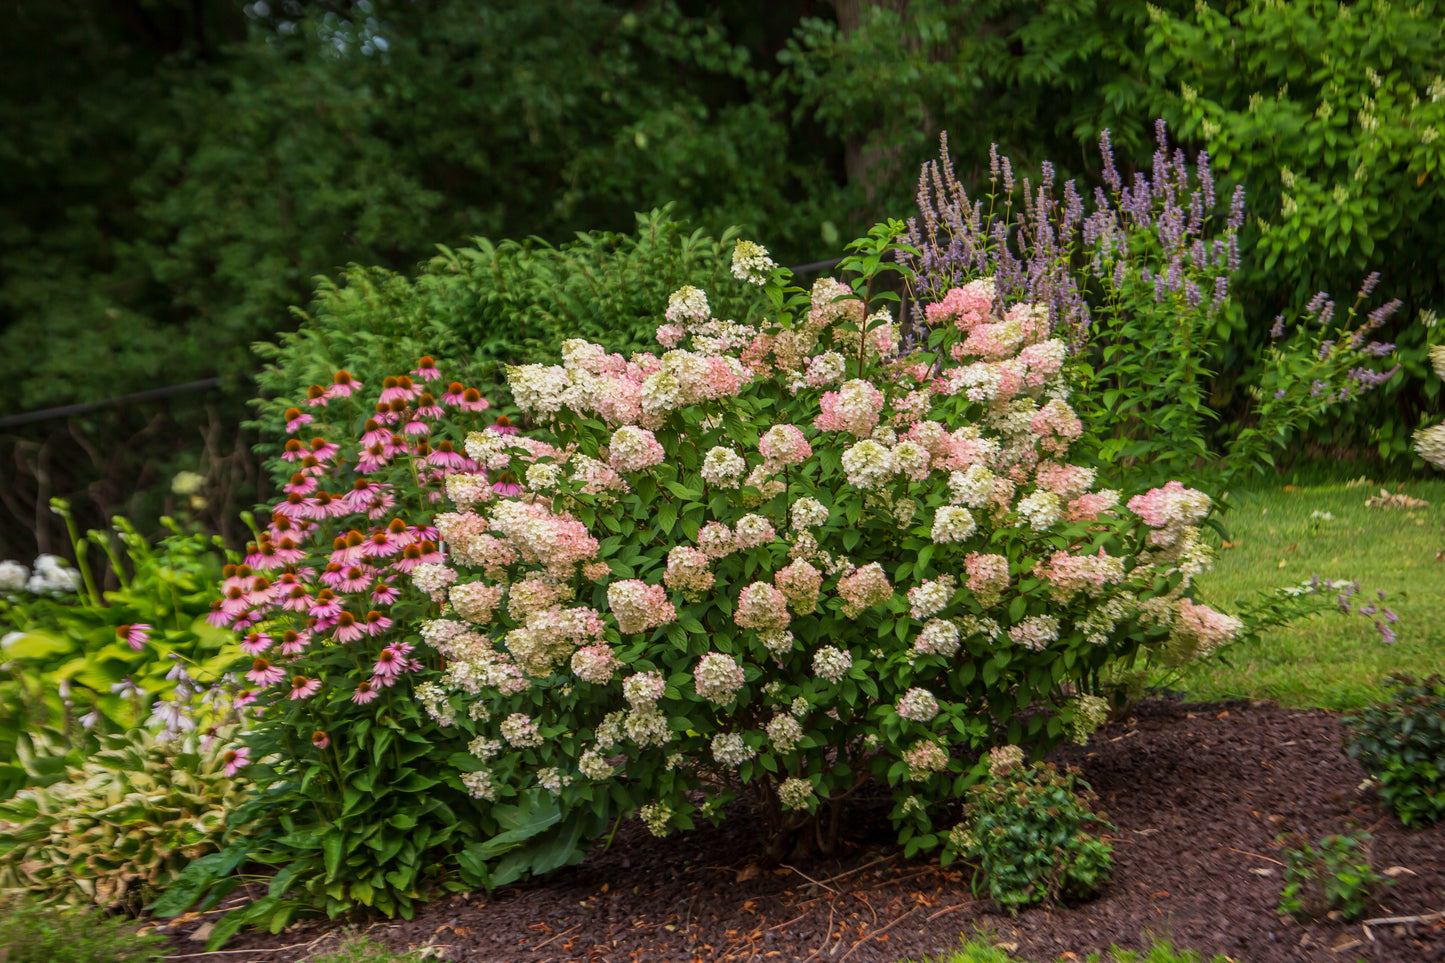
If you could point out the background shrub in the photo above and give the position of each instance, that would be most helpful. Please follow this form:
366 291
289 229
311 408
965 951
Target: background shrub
478 309
1401 744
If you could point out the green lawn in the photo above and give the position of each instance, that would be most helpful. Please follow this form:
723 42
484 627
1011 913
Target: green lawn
1331 661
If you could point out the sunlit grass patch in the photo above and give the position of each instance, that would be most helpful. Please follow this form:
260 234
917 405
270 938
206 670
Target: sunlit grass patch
1284 535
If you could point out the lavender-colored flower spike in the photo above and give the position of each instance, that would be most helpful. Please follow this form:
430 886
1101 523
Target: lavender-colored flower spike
1369 286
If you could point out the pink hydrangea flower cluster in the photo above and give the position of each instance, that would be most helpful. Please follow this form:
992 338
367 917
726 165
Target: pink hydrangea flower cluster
1068 575
864 588
1170 511
762 607
718 678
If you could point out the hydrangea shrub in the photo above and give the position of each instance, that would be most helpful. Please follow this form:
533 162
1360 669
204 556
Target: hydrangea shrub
785 559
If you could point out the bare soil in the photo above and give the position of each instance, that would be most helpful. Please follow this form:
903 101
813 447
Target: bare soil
1199 795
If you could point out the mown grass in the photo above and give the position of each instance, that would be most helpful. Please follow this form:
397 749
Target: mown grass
1279 536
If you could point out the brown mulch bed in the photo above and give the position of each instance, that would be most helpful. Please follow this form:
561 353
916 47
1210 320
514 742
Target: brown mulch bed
1199 794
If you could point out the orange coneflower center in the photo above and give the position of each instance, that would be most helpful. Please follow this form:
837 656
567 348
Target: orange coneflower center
373 617
396 526
318 443
502 420
345 619
343 377
314 392
455 388
354 538
403 381
445 446
243 571
292 445
389 381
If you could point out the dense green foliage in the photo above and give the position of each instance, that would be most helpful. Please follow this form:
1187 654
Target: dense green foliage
1025 829
70 673
1401 744
1334 876
479 308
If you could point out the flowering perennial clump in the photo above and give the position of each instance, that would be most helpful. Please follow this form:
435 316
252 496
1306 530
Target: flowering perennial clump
771 558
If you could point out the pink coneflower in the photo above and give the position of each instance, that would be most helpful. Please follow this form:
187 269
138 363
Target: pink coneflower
303 687
260 592
346 628
325 605
371 458
244 698
381 545
323 450
384 593
417 427
389 664
453 395
320 739
380 505
297 599
364 693
218 618
396 445
255 643
348 548
356 578
287 551
300 484
262 555
293 642
295 418
374 433
426 369
263 673
324 505
234 760
135 635
295 507
472 400
293 450
447 457
396 389
427 407
233 602
418 554
503 426
506 484
361 494
343 385
316 396
376 623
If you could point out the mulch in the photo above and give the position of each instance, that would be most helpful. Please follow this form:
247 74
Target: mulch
1200 796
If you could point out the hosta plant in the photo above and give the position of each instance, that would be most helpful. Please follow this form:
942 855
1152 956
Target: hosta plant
784 560
82 662
122 825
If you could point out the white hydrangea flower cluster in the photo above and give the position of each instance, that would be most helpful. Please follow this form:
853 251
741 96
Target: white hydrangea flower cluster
729 749
717 678
952 523
751 262
784 732
917 705
656 817
688 305
1035 632
931 597
832 663
1090 712
520 730
723 468
869 465
795 793
808 513
939 637
479 785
